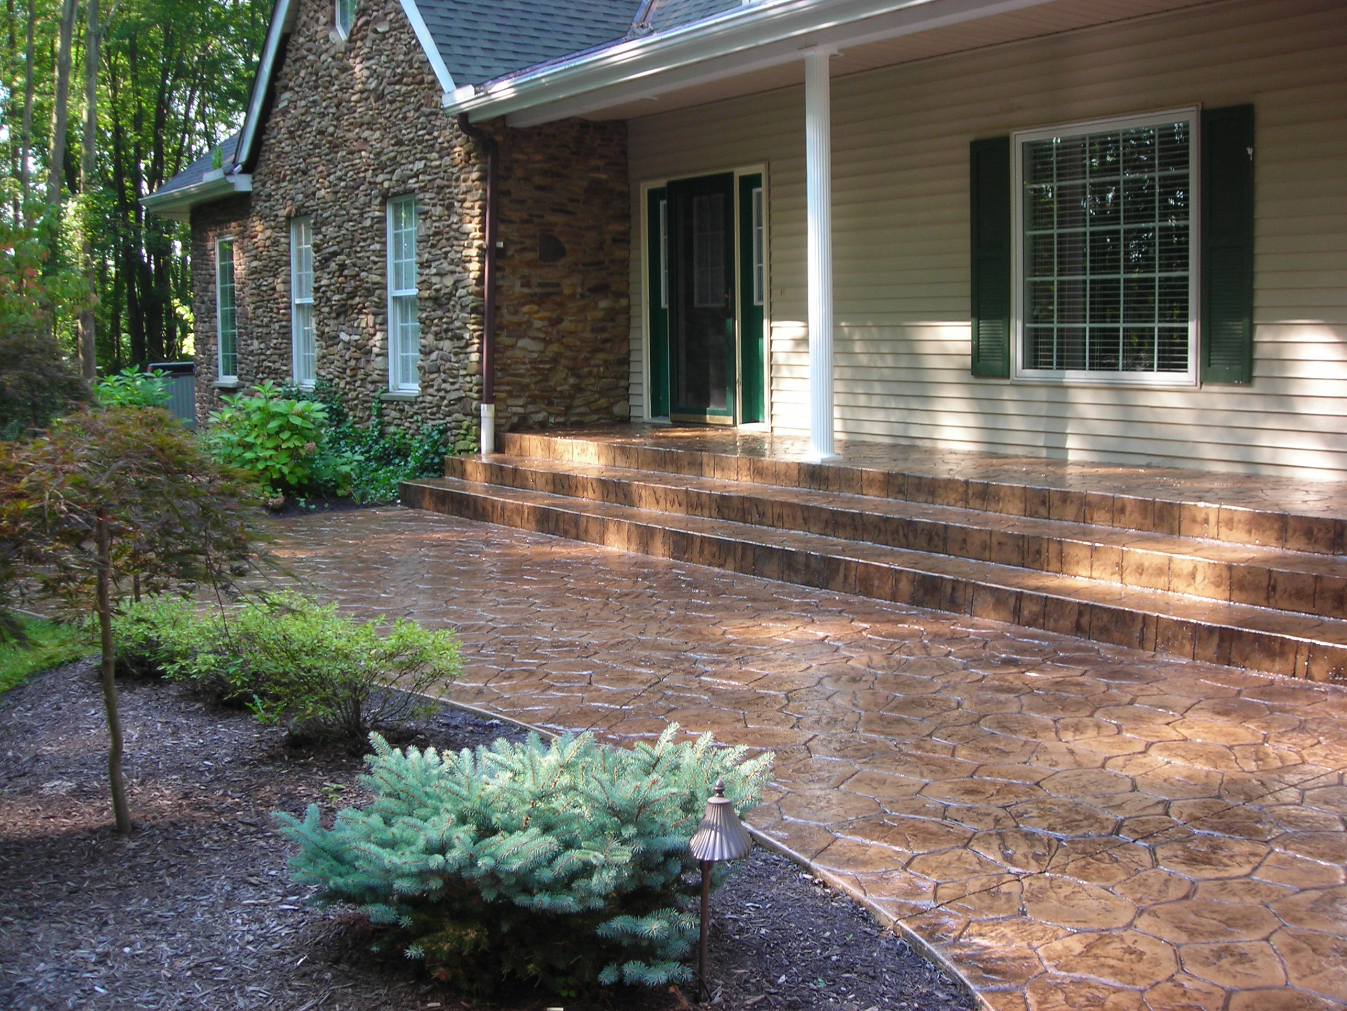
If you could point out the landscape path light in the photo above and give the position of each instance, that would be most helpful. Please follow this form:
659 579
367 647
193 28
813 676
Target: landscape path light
720 836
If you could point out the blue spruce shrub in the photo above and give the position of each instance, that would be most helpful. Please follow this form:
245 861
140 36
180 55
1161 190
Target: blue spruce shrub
556 864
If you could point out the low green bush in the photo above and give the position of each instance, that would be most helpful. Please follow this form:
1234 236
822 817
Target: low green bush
281 440
387 456
292 661
132 388
324 674
561 865
151 633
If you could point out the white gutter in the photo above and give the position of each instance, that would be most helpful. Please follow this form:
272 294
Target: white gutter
742 39
177 203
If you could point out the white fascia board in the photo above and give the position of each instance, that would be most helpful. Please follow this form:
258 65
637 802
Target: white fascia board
432 51
743 39
280 23
177 204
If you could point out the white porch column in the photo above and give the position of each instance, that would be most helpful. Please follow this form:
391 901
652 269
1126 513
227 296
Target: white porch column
819 210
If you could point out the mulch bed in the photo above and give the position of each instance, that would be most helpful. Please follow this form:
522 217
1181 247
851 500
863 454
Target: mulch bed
195 909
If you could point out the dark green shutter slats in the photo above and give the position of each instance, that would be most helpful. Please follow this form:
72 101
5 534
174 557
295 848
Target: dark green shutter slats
1227 245
989 165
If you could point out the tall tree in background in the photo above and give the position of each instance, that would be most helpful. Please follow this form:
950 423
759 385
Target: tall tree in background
60 104
164 82
26 144
93 34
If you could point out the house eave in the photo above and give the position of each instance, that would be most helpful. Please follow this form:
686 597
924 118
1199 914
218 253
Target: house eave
747 38
177 204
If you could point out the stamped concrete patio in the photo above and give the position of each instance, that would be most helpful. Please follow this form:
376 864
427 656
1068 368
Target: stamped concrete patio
1072 825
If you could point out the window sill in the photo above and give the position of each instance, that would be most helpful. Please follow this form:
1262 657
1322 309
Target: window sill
226 384
398 395
1182 381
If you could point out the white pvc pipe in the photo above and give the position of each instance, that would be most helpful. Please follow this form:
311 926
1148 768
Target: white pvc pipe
488 429
819 213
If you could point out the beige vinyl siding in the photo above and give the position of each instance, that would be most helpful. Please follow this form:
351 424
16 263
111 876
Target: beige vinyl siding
900 177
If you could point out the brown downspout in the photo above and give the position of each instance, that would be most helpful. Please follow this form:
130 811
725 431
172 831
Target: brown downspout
488 428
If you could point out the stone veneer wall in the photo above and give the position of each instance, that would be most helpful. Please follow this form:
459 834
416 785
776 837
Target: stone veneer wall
565 225
210 223
359 121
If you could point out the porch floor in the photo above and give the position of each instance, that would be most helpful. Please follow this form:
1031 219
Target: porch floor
1289 495
1072 825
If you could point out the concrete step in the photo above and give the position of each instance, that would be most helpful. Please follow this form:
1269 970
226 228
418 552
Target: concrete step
1235 634
1303 582
1170 512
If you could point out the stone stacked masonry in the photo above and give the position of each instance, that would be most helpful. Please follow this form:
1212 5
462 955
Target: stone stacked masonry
358 121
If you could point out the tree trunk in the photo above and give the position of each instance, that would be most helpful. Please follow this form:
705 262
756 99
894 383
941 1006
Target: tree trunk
27 150
103 538
61 104
88 167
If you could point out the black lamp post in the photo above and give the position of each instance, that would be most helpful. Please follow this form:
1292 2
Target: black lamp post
720 836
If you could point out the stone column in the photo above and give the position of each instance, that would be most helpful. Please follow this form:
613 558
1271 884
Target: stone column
818 204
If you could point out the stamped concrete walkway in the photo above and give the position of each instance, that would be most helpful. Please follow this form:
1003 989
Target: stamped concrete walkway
1072 825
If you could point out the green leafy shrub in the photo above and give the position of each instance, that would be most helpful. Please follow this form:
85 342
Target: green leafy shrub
387 456
560 865
322 673
152 633
282 441
132 388
292 661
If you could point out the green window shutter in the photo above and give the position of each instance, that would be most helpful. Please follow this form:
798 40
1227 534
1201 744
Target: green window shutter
989 199
1227 245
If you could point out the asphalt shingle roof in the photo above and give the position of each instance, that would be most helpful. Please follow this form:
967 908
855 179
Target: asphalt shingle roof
673 13
195 172
481 40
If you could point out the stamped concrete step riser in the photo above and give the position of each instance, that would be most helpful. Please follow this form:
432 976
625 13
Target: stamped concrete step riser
1256 585
1119 626
1184 519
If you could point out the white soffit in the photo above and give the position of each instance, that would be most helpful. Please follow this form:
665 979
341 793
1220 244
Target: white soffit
914 31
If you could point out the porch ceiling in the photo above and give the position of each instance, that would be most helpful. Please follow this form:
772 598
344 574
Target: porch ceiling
714 84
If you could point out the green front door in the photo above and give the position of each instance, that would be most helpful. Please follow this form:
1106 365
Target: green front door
705 291
702 355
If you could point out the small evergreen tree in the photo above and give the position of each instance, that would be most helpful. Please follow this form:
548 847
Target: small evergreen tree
556 864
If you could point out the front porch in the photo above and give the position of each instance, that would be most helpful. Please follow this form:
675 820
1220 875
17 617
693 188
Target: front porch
1223 568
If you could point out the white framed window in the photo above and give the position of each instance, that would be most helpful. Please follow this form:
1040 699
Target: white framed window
302 350
344 17
226 312
759 249
404 327
1104 251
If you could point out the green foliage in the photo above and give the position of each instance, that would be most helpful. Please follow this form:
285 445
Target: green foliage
281 440
37 379
152 633
557 864
175 516
292 661
42 646
115 501
132 388
387 456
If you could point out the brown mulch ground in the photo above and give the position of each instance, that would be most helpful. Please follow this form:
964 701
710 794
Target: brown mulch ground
195 909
